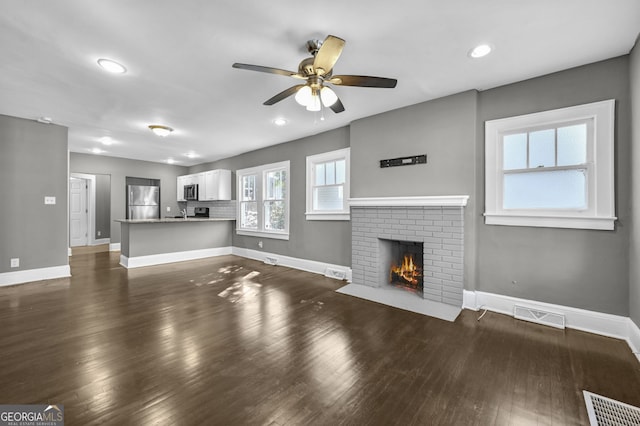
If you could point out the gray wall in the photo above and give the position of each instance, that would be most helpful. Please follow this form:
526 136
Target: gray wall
444 129
323 241
119 169
634 253
103 206
33 164
580 268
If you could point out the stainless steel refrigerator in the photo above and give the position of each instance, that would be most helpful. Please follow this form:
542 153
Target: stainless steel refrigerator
143 202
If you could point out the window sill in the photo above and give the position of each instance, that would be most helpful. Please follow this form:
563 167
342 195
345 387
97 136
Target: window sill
568 222
263 234
328 216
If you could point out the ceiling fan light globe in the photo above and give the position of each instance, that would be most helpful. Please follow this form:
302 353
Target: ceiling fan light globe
328 96
314 104
303 96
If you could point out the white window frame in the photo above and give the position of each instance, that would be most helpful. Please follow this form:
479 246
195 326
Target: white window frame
260 173
312 161
600 211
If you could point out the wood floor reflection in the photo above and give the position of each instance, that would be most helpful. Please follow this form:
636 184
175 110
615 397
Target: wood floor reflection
230 341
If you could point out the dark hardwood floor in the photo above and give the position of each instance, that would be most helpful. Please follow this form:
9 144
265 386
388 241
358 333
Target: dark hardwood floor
230 341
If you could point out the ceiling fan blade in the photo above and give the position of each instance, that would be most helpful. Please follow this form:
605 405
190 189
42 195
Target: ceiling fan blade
337 106
268 70
328 54
363 81
284 94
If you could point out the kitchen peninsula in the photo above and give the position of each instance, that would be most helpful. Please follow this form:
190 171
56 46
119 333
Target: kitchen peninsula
146 242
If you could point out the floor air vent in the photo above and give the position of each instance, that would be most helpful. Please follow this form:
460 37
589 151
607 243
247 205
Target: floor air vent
609 412
541 317
335 273
271 260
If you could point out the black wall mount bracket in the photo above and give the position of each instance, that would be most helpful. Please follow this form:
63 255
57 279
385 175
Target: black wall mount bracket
404 161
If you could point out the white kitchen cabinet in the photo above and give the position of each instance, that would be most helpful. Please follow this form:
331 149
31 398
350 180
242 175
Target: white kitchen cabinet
200 180
212 185
181 182
217 185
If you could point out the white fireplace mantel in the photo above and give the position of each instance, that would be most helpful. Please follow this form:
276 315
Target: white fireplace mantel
436 200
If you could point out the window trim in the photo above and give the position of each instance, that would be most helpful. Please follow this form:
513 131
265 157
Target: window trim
600 212
260 172
312 160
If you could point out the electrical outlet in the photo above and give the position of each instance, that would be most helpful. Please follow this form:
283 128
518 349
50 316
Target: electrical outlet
15 262
260 244
168 209
99 233
49 200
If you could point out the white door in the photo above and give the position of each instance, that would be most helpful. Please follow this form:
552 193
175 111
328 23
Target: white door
78 216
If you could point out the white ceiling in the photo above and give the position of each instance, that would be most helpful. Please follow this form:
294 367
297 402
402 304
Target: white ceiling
179 55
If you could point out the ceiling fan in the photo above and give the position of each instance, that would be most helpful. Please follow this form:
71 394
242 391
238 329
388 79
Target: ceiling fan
317 71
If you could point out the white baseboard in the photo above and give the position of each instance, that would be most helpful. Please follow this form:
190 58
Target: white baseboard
608 325
159 259
114 247
100 241
28 275
294 262
634 338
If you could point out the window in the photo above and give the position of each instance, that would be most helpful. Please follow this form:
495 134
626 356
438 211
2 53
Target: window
328 185
551 169
263 197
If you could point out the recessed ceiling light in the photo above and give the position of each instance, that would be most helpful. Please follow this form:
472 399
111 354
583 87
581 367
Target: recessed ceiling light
171 161
160 130
279 121
111 66
97 151
106 140
191 154
44 120
480 50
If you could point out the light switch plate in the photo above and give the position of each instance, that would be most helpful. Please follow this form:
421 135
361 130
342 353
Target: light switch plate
15 262
49 200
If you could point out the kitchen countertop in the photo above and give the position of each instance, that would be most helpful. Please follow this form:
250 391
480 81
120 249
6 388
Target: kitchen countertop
175 220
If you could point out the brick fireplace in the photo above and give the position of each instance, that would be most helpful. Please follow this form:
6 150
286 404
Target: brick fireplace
435 224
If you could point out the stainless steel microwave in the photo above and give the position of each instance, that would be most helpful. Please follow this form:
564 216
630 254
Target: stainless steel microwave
191 192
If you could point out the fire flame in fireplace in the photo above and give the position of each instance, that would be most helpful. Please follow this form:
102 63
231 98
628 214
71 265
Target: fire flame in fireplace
407 272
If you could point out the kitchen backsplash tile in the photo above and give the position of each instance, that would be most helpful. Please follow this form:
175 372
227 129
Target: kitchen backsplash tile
217 209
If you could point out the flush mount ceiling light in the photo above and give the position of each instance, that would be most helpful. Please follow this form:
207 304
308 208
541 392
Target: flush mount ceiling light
160 130
106 140
480 50
111 66
97 151
279 121
170 161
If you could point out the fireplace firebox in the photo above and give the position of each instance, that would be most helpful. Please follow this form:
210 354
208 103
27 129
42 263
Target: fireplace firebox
401 264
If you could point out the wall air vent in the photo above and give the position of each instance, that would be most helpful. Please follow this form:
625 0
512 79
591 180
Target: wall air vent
551 319
606 411
271 260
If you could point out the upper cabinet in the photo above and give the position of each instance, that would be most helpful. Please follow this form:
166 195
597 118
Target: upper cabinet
213 185
217 185
182 181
